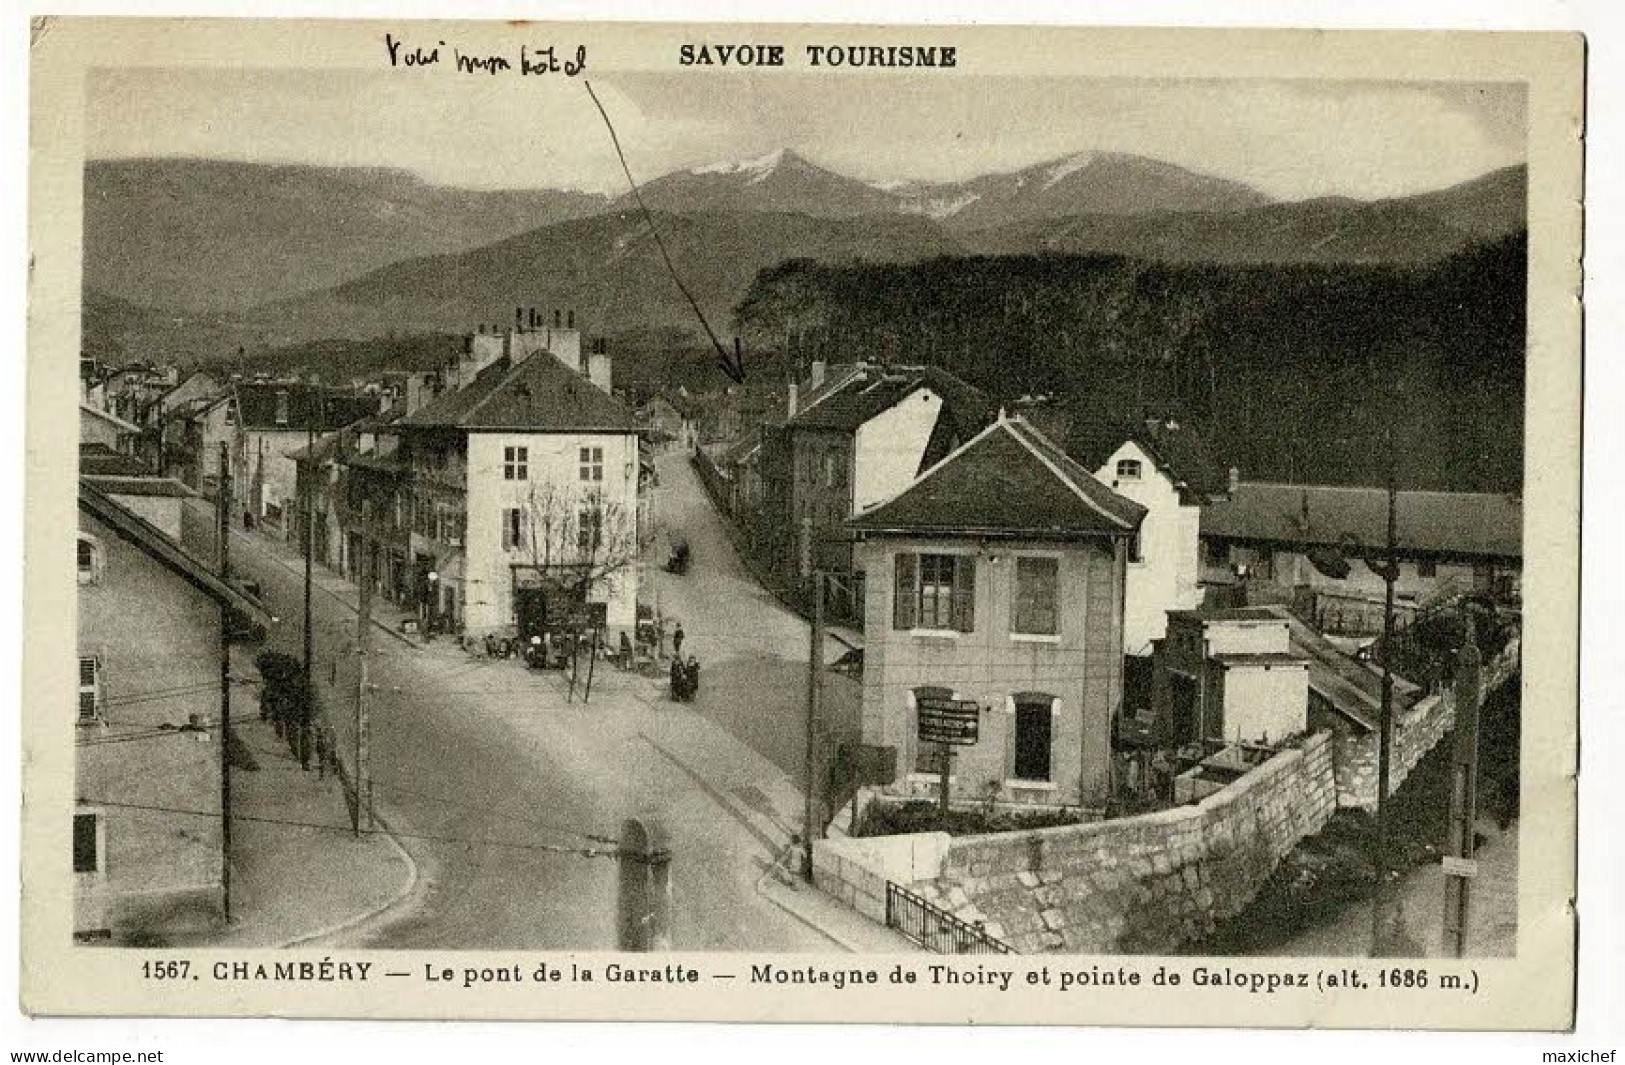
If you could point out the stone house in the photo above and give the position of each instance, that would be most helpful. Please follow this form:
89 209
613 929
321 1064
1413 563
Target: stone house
997 578
146 841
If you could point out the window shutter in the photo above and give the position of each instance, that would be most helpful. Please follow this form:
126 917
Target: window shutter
964 604
903 594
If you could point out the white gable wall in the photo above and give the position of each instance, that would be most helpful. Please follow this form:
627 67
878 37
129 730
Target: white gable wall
1166 577
886 450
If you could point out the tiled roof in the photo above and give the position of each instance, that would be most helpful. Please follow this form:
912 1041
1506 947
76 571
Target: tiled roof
859 393
109 417
1008 480
325 409
149 538
137 486
101 460
541 395
1460 524
1176 447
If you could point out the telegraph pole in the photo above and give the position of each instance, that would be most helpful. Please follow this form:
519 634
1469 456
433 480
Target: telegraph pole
815 710
1385 721
223 525
1461 842
310 552
363 639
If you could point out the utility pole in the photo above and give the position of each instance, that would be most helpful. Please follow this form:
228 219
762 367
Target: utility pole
815 710
222 519
1385 721
310 554
363 640
1461 842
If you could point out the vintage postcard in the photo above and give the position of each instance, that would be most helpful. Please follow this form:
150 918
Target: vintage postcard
787 522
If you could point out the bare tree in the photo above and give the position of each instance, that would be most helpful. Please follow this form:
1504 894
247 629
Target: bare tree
578 540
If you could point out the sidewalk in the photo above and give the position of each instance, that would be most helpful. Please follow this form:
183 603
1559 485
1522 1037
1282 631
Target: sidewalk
385 614
297 870
755 793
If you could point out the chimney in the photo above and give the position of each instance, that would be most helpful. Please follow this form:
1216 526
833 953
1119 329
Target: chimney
1235 480
793 397
817 373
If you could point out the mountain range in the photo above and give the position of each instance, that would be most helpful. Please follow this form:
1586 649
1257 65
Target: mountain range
273 255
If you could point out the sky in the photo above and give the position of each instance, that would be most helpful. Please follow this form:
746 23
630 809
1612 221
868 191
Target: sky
1288 139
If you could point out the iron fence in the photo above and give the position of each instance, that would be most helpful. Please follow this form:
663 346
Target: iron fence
936 929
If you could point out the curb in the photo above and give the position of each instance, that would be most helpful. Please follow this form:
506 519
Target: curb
772 895
354 921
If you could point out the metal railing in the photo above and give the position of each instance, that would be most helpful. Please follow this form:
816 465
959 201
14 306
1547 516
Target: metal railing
936 929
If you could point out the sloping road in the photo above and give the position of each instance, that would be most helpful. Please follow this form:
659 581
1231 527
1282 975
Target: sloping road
496 785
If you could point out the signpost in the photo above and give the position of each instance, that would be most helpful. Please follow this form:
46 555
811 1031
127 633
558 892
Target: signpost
948 723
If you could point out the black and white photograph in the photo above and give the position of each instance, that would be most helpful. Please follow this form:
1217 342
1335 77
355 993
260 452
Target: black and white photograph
790 500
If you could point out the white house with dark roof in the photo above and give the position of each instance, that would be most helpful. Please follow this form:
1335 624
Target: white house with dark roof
997 578
523 492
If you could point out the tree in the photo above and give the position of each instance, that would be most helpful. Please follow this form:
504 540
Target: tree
578 540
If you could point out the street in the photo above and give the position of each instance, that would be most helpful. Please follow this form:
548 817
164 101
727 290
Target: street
496 785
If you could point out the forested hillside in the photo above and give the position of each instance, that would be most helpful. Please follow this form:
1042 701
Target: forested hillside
1292 371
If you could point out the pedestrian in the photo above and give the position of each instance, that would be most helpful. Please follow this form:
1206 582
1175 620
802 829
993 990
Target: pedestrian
321 753
693 677
678 678
677 642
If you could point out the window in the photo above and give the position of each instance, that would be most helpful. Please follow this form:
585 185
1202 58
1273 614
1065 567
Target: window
90 688
927 756
1427 568
1034 720
935 592
87 837
282 408
589 530
592 464
231 412
829 464
1136 550
516 464
513 532
1128 469
89 560
1036 580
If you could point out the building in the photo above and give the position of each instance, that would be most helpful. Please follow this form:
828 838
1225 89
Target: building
1161 465
997 578
1231 676
147 851
1321 547
273 420
521 489
858 435
97 426
193 434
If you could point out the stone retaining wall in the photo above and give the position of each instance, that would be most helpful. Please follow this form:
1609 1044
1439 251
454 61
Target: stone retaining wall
1140 884
1416 732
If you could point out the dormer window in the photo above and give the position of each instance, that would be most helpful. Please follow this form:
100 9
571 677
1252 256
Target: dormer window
1128 469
